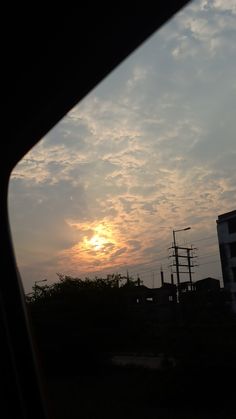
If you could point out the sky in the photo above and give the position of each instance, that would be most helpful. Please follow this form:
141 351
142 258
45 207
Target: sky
151 149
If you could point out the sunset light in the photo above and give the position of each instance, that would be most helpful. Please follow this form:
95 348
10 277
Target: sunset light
96 242
118 288
153 145
100 238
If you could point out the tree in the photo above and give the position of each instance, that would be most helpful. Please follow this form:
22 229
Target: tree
78 320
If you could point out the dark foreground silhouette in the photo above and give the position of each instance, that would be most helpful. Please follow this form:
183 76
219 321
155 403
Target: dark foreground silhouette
80 326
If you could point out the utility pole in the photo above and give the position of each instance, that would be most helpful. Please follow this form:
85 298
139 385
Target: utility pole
176 259
176 248
172 277
178 255
191 265
162 277
188 254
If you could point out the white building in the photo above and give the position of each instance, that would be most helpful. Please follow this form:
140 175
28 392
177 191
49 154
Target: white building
226 228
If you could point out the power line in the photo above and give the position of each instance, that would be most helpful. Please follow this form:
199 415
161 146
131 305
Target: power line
208 255
204 238
147 271
148 263
207 263
137 269
155 269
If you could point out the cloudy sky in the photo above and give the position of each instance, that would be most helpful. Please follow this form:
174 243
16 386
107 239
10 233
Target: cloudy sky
151 149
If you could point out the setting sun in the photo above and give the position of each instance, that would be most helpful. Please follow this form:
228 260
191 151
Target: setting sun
103 236
96 242
93 197
101 239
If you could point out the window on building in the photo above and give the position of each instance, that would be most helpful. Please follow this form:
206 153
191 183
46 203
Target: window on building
171 298
232 226
232 247
149 299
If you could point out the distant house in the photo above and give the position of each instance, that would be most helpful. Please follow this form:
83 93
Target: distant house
205 292
185 286
144 295
154 304
165 294
207 285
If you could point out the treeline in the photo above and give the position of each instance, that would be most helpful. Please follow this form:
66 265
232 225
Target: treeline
79 323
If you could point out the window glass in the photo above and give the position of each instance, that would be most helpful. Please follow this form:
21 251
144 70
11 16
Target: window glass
120 197
140 156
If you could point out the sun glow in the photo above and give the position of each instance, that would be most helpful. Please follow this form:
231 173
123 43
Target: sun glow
100 246
96 242
101 240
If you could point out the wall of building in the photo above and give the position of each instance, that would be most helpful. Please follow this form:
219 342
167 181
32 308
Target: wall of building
227 244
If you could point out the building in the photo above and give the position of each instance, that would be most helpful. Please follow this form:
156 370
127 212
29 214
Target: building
185 286
141 294
226 229
207 285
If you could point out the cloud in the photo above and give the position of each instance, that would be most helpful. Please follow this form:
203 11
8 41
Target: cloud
204 29
151 146
138 76
224 5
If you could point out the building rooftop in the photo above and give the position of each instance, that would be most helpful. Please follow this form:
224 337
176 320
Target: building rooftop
226 216
209 278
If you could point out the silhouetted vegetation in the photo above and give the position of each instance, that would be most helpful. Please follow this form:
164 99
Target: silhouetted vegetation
79 325
80 322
